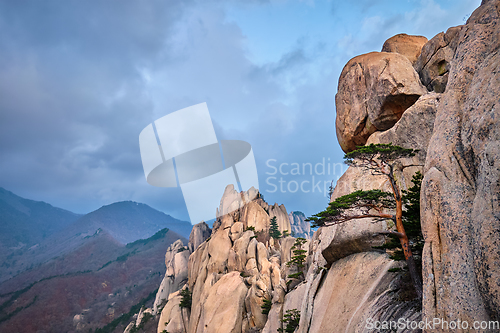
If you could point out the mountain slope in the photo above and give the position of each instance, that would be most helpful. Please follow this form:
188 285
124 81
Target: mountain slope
45 232
87 288
25 222
128 221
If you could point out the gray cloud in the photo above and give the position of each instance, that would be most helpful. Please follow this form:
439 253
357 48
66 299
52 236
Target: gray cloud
80 80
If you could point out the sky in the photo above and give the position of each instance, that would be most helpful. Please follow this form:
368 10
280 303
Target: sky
79 80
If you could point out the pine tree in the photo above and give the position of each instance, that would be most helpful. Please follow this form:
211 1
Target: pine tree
298 258
274 231
380 159
411 223
290 321
186 299
266 306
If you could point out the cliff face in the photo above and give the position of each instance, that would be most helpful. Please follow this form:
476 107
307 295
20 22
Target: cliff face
461 201
439 96
455 124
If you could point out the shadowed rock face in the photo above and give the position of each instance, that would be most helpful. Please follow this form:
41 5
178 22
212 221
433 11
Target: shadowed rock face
176 260
374 90
460 201
433 64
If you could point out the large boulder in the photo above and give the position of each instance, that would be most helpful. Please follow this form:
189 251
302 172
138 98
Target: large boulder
218 251
281 217
420 116
253 215
461 186
373 92
407 45
357 235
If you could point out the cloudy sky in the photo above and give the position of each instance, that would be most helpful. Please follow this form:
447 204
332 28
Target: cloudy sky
79 80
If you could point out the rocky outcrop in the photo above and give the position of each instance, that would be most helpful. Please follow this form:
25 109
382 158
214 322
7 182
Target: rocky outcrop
461 205
361 235
413 130
344 254
199 234
300 227
373 92
233 271
173 318
223 307
166 304
176 260
433 63
347 279
407 45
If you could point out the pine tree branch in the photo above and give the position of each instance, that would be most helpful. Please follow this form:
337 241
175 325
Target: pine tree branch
394 233
343 219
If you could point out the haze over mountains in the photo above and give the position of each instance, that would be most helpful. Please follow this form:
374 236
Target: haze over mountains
26 222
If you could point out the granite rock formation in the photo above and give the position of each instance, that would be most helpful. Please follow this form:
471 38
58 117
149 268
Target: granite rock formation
461 203
439 96
407 45
373 92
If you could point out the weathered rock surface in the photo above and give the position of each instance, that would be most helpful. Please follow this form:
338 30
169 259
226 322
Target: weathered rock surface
199 234
433 63
223 308
231 200
460 201
173 318
373 92
253 215
281 217
408 45
413 130
176 260
358 288
361 235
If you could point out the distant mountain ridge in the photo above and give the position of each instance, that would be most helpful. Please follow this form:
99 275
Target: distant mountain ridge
128 221
99 265
34 232
27 222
